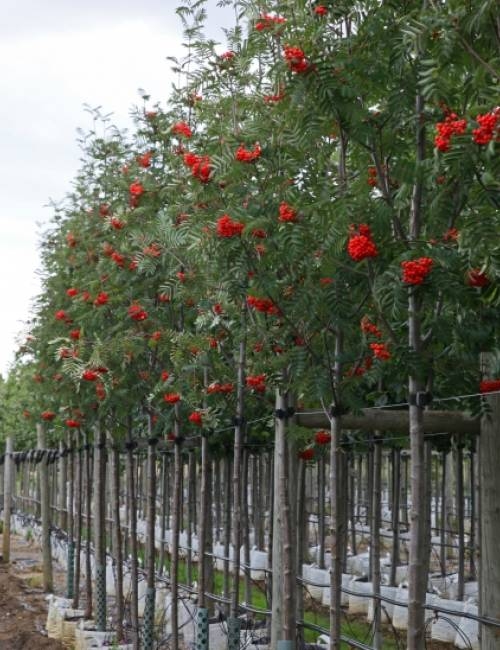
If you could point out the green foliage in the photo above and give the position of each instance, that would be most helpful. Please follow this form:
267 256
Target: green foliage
338 146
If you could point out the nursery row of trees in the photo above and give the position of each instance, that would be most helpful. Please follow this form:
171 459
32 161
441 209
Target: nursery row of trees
310 223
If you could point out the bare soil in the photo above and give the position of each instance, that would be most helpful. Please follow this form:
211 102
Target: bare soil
23 605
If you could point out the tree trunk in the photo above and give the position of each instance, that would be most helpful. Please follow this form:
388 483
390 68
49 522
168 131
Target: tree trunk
163 515
176 521
117 538
227 528
190 523
43 473
132 515
337 519
246 528
63 482
443 536
489 604
7 497
68 504
375 535
283 620
78 518
301 544
238 445
100 526
460 519
321 511
396 494
149 610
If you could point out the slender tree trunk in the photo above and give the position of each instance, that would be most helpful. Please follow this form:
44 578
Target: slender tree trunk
100 525
7 497
176 522
149 610
191 497
68 504
419 562
301 544
489 480
369 496
460 519
43 472
238 446
396 493
63 482
443 536
246 528
227 528
117 538
78 518
163 515
473 511
271 535
132 513
352 501
336 531
205 538
321 511
218 499
375 535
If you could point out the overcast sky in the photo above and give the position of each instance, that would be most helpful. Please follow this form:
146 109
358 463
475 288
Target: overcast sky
56 56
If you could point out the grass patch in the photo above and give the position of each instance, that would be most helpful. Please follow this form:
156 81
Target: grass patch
353 628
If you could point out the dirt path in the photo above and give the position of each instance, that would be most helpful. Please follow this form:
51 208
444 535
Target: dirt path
23 607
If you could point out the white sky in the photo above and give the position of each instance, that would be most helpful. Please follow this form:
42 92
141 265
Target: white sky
56 55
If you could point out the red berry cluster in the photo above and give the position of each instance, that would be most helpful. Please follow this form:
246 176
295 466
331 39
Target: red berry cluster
90 375
372 176
361 244
144 160
489 385
100 391
200 166
171 398
274 99
380 351
445 130
306 454
248 155
264 305
320 10
182 128
226 227
295 59
136 312
287 213
101 299
266 21
136 189
48 415
220 388
322 437
196 418
117 223
72 424
476 278
415 271
488 125
370 328
256 382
